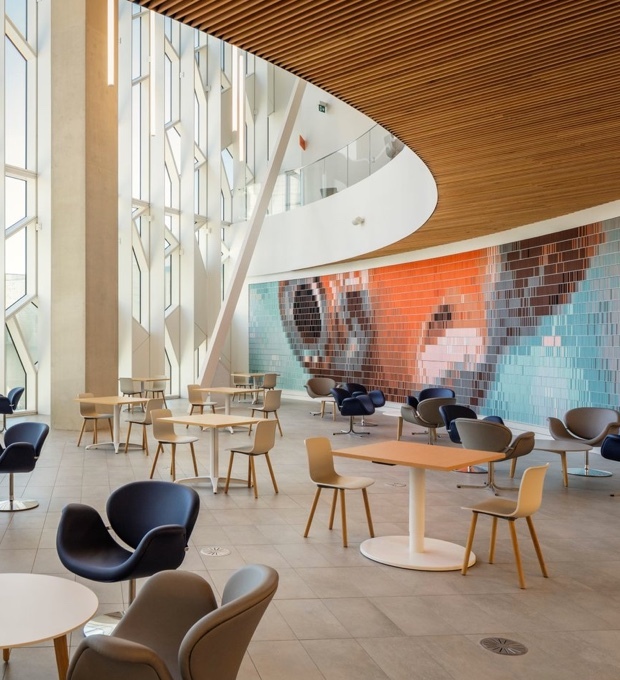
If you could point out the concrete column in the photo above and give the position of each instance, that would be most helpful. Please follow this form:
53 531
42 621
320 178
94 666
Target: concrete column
84 208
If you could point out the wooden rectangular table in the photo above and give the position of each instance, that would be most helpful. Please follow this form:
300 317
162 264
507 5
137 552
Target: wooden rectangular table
117 403
417 551
229 393
214 422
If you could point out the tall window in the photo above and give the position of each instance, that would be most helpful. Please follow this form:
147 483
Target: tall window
20 199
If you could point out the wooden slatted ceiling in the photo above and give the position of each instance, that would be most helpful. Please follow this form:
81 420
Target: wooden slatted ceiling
512 104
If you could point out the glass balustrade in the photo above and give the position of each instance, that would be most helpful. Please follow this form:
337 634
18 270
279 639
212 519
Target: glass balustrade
330 174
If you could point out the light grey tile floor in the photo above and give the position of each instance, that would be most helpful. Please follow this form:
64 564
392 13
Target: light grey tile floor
336 614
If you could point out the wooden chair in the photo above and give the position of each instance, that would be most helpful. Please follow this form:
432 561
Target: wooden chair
164 434
264 441
271 404
527 503
90 414
144 420
324 475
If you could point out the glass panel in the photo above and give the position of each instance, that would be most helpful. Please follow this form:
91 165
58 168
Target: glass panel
15 114
136 138
136 48
167 89
15 373
136 285
174 139
359 159
15 263
15 208
168 281
17 10
312 182
335 173
27 319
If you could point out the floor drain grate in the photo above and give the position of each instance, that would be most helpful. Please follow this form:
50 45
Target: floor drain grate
499 645
215 551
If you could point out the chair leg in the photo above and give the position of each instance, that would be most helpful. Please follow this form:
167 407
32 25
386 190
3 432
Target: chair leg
368 517
513 467
110 426
333 509
160 447
95 429
352 429
273 477
128 435
145 441
312 510
492 540
275 413
399 428
82 431
12 505
515 547
253 472
230 464
470 542
343 515
541 561
191 447
249 474
173 466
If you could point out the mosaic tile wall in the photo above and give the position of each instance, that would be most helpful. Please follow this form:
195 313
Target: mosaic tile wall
525 330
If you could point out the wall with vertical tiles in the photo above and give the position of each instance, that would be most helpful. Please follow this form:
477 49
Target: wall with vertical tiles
524 330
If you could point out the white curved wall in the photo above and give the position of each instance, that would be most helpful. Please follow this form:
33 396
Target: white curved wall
394 202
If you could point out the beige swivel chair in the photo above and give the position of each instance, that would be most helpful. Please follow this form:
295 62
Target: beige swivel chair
426 414
485 435
157 389
198 400
144 420
319 388
269 381
271 404
527 503
324 475
164 433
174 629
264 441
587 424
90 414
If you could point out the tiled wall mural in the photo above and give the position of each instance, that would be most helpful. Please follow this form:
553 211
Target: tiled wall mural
524 330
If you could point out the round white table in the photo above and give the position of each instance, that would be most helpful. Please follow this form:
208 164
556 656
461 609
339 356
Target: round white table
37 607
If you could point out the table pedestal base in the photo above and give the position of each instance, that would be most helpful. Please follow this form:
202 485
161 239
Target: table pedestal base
103 624
588 472
437 556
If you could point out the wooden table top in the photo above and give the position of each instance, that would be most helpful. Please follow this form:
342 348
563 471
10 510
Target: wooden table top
37 607
112 401
230 390
412 454
561 445
214 420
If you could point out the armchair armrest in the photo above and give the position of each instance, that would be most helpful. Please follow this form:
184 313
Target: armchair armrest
104 656
558 430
